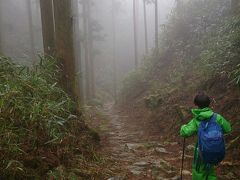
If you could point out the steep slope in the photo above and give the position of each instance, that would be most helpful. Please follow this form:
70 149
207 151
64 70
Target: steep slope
199 51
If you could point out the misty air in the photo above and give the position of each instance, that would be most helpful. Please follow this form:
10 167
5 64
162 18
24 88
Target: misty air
119 89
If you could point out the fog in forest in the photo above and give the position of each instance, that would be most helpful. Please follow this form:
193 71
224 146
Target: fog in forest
113 34
119 89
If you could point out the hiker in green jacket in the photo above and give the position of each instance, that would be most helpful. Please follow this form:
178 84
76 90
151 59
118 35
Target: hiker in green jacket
202 113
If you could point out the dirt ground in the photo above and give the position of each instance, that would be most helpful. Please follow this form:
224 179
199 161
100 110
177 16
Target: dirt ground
138 149
134 153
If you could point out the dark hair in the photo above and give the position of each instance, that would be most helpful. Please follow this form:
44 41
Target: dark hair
202 100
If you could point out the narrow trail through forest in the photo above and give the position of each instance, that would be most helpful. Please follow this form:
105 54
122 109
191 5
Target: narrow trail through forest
136 155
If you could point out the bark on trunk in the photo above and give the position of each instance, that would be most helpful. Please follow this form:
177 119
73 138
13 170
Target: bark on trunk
86 48
91 53
1 25
77 49
114 52
46 7
235 6
135 33
156 25
145 26
64 45
31 33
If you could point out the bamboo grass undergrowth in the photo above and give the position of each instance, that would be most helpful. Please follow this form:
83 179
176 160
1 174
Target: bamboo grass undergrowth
40 127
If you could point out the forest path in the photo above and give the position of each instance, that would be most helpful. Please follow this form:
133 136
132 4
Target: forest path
135 155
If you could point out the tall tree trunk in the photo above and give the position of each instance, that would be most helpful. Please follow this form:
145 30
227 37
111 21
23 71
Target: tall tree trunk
235 6
46 7
145 26
64 45
91 53
156 26
114 52
1 25
135 33
86 49
31 33
77 45
92 68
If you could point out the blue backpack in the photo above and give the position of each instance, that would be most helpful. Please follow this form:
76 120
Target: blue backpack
211 142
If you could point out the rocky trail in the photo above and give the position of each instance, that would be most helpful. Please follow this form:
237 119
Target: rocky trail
137 156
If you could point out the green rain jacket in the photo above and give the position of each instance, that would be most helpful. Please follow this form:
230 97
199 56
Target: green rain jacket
191 129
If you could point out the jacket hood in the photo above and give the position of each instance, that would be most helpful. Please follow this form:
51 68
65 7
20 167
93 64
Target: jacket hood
202 114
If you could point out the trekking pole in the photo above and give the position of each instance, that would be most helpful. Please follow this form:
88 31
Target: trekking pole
183 153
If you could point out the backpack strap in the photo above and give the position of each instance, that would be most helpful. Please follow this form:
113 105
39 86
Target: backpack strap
197 158
214 117
204 124
198 162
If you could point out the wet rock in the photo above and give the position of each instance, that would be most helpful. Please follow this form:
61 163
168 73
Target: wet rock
160 145
125 155
186 173
138 167
136 170
227 163
161 178
186 155
166 164
230 175
141 163
163 166
112 133
173 143
155 144
133 146
176 178
190 147
161 150
170 172
117 178
170 143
